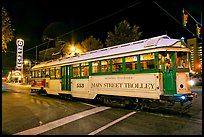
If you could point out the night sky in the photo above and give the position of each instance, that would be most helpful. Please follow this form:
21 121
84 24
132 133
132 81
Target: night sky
80 19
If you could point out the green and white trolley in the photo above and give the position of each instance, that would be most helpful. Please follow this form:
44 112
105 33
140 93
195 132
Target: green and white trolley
141 73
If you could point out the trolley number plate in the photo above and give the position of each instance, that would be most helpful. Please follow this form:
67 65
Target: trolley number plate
80 85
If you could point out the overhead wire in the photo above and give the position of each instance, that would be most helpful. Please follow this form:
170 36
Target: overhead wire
193 18
176 20
83 26
116 12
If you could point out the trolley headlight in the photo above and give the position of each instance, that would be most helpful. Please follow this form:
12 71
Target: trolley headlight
183 97
191 82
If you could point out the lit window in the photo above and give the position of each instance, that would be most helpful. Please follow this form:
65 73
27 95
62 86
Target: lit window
147 61
76 70
131 63
52 73
105 65
85 69
47 71
43 73
57 71
117 65
182 60
96 67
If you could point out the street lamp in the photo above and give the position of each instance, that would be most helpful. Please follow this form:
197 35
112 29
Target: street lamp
72 48
27 64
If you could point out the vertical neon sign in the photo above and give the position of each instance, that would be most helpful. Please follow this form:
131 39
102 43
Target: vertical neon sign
19 57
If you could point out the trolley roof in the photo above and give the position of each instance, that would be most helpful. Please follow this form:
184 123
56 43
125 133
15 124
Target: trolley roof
146 44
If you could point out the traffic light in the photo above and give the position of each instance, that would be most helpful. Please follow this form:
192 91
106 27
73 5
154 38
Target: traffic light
198 30
185 18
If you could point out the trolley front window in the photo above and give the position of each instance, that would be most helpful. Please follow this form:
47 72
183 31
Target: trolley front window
165 59
182 60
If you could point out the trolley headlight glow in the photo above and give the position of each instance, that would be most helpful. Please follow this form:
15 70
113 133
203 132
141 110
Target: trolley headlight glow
183 97
191 82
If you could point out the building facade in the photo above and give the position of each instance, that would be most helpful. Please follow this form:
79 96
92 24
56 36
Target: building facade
196 54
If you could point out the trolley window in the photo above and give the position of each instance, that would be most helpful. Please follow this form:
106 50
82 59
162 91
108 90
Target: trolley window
52 73
117 65
85 69
131 63
57 73
105 65
33 73
165 59
39 73
147 61
36 73
182 60
76 70
95 66
43 73
47 72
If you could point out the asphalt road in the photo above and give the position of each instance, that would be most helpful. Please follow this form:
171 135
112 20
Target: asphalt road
26 113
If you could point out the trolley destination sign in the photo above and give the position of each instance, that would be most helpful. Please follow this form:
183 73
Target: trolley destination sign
124 85
124 82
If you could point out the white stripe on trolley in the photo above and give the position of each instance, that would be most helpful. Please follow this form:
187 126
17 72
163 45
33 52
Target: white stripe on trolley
60 122
110 124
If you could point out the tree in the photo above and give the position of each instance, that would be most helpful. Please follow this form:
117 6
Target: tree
45 55
7 31
122 34
91 43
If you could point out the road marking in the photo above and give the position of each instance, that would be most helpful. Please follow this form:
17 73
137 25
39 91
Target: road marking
110 124
88 104
60 122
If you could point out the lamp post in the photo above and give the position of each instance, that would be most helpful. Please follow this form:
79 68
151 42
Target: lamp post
27 67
